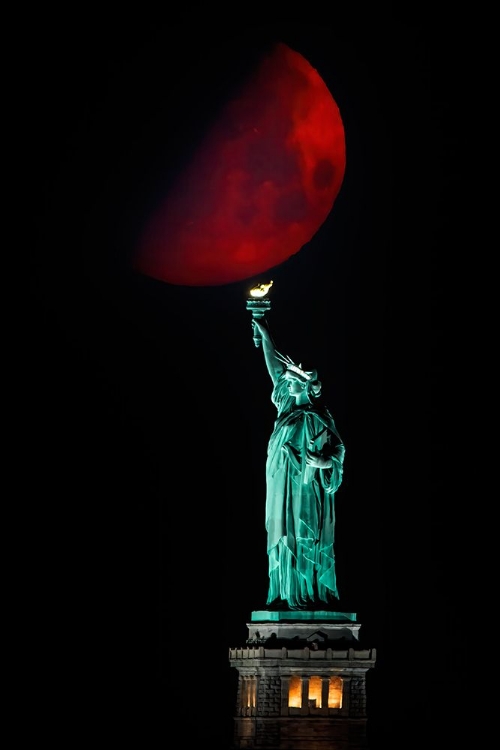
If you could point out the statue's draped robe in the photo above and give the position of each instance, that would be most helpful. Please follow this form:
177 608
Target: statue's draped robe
300 512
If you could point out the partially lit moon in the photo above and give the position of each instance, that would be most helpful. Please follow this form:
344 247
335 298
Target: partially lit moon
260 185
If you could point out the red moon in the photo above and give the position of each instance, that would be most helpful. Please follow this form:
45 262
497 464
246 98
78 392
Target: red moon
260 185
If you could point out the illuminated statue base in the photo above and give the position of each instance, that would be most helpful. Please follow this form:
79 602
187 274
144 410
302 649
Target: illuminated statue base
302 625
300 615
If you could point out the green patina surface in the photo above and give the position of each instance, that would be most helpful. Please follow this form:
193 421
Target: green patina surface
300 615
303 473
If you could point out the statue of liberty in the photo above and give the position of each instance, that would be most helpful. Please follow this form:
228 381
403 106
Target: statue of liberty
303 472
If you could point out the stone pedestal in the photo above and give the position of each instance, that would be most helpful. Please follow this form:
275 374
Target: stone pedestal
301 682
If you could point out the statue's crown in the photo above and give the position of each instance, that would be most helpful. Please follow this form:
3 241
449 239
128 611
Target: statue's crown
290 365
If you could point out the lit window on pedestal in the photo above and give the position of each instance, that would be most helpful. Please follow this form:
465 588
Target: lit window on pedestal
295 692
315 684
315 695
335 692
249 692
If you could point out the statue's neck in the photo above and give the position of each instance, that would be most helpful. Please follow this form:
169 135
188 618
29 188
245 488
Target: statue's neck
302 399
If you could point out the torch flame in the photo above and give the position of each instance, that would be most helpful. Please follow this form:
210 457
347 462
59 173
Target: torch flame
260 290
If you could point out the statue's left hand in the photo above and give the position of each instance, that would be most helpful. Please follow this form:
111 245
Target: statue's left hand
318 461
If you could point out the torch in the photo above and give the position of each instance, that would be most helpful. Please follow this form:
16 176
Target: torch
258 304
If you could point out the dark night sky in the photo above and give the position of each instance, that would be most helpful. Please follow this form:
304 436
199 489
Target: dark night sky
150 418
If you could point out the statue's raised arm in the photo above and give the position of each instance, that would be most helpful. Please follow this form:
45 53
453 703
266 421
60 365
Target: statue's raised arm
274 363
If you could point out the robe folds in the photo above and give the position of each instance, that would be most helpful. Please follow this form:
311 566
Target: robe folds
300 510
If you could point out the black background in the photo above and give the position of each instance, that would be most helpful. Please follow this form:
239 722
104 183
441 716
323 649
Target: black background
148 407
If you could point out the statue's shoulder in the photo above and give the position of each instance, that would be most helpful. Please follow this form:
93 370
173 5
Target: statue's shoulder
324 414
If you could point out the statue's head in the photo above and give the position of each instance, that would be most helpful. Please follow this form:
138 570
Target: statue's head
308 379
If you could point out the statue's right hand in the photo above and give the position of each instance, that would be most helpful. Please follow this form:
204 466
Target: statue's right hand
260 329
259 325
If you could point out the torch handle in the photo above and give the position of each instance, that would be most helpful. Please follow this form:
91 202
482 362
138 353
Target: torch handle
258 308
257 337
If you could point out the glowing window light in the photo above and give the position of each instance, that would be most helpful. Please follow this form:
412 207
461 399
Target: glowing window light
249 692
253 690
315 691
335 692
295 692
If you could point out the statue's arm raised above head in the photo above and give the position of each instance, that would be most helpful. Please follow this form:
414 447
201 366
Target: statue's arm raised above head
274 364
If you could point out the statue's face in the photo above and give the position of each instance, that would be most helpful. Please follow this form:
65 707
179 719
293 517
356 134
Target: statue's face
295 383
